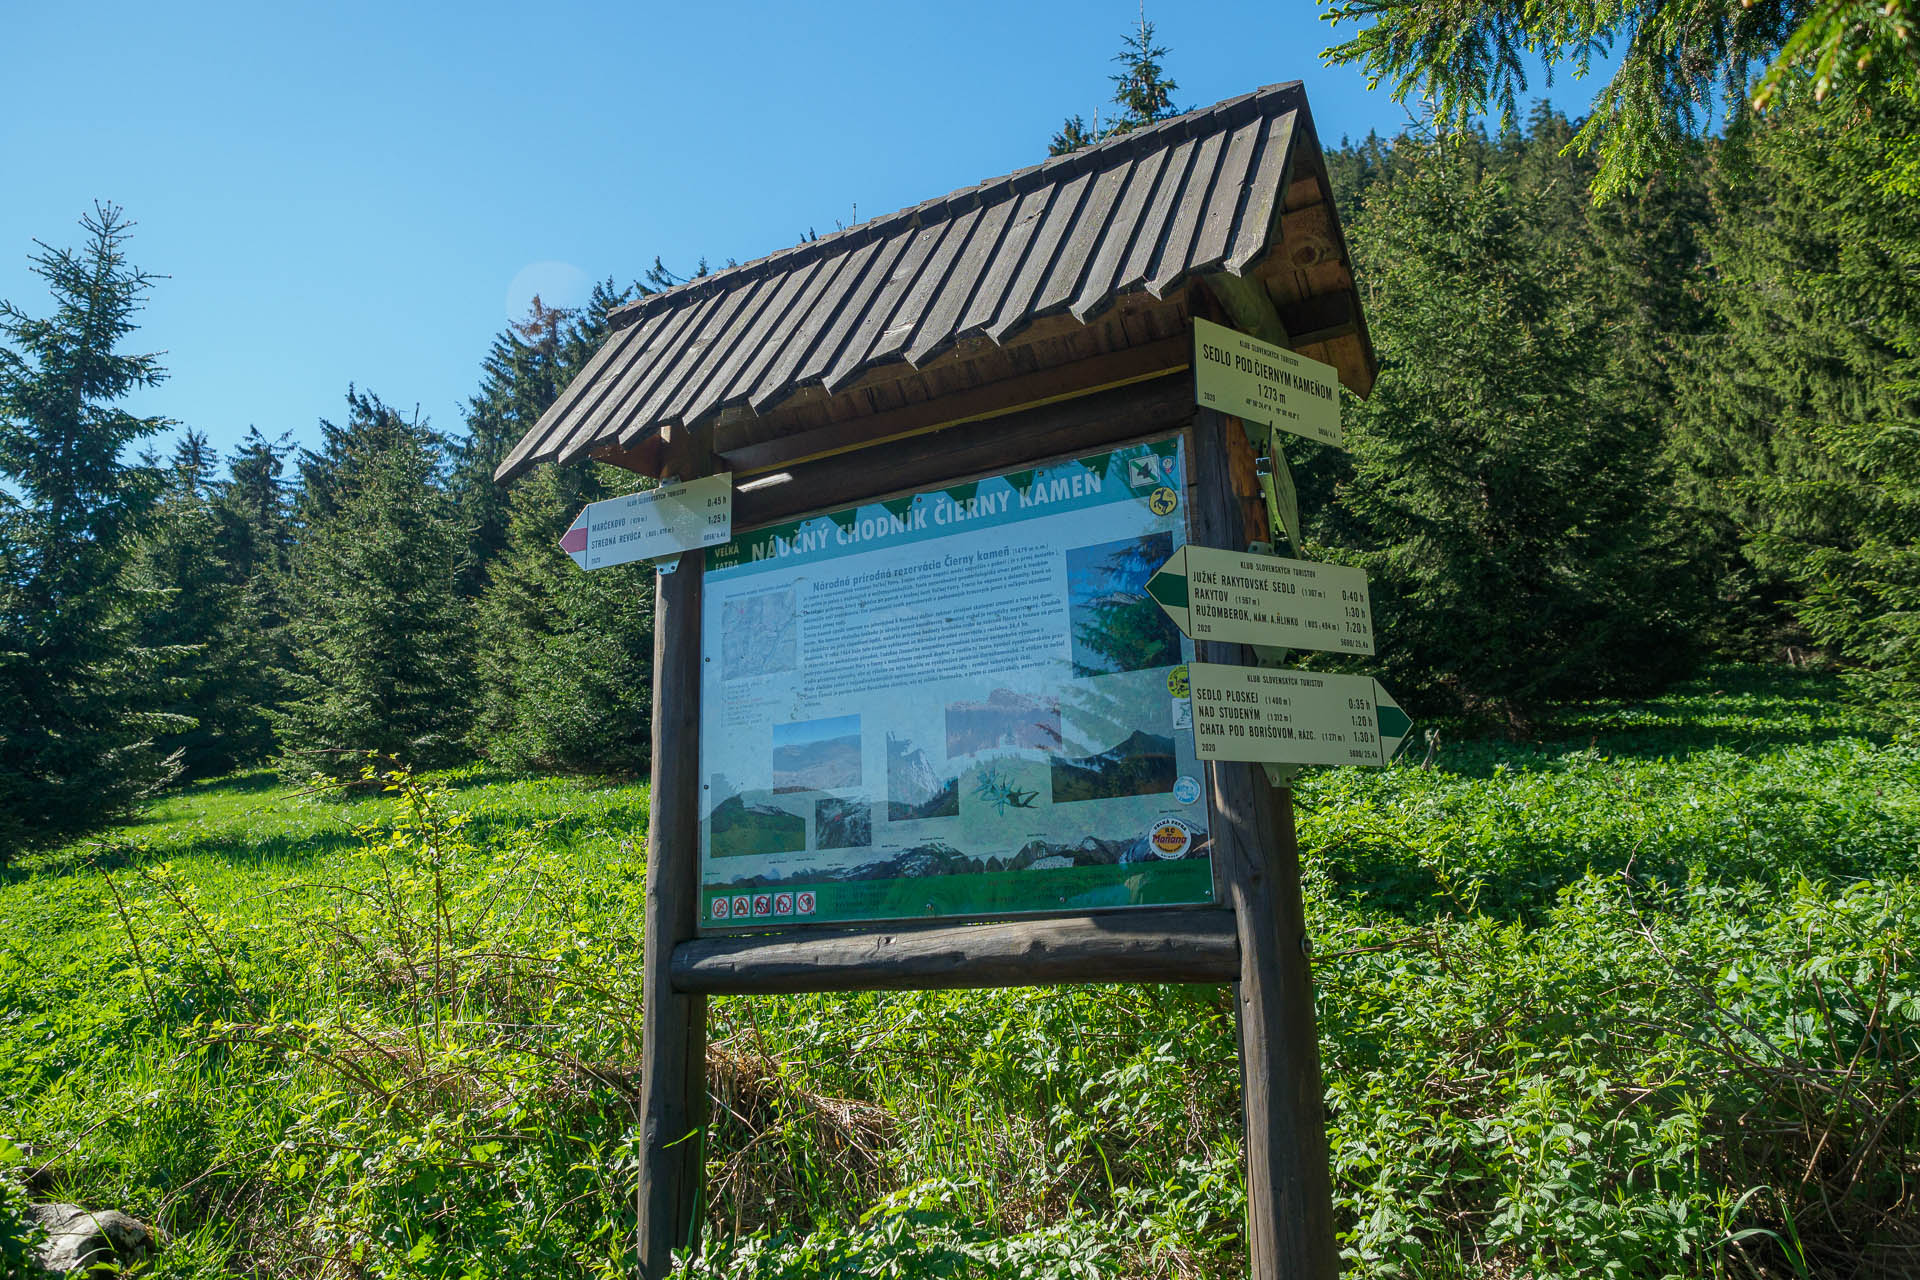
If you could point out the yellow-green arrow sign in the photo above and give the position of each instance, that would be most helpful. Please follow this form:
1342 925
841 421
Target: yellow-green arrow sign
1293 717
1238 597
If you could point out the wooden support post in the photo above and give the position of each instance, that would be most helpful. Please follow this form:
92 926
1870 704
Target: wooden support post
1289 1185
673 1083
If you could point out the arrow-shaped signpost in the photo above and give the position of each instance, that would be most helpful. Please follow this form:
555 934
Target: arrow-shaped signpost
658 522
1266 713
1279 717
1240 597
1293 717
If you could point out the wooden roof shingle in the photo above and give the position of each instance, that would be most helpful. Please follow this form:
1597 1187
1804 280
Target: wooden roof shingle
1145 210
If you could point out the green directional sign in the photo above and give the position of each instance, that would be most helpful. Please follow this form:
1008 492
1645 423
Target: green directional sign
1395 724
1239 597
1293 717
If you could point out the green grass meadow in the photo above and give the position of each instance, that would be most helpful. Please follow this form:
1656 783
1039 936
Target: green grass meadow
1638 999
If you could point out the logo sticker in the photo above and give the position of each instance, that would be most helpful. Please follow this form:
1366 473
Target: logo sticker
1183 713
1162 501
783 904
1140 472
1186 788
1171 837
803 902
1177 681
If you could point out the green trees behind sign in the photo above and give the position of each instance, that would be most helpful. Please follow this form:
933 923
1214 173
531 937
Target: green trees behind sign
1605 439
1678 63
1503 478
381 639
78 712
1802 431
201 602
1770 313
566 658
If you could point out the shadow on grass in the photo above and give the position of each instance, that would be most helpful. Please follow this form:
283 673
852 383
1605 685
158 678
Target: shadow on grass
1386 881
242 819
563 829
127 855
477 776
275 849
245 784
1735 708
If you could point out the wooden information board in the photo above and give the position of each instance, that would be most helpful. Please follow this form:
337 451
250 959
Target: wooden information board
919 720
1247 926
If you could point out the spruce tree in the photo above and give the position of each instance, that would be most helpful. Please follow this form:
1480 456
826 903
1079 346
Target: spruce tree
1678 65
1142 93
190 603
328 476
381 640
77 723
1353 168
1804 423
1141 89
1074 134
566 657
254 509
526 368
1506 478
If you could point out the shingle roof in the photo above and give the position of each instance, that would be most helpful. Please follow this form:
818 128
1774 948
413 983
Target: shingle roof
1144 210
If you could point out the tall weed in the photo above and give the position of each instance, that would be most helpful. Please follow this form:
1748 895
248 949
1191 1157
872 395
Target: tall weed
1636 1002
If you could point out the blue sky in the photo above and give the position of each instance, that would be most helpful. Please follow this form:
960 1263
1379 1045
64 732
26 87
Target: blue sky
364 193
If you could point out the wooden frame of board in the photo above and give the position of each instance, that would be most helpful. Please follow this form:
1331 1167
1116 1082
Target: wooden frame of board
1254 937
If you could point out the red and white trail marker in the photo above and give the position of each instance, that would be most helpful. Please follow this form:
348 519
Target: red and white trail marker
647 526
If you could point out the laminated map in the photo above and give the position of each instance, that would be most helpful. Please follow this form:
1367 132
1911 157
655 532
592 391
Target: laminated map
959 702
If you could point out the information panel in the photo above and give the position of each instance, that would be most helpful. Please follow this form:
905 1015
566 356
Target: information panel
961 702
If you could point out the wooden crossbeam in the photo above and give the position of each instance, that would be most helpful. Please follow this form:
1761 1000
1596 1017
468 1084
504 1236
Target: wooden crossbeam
1135 946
